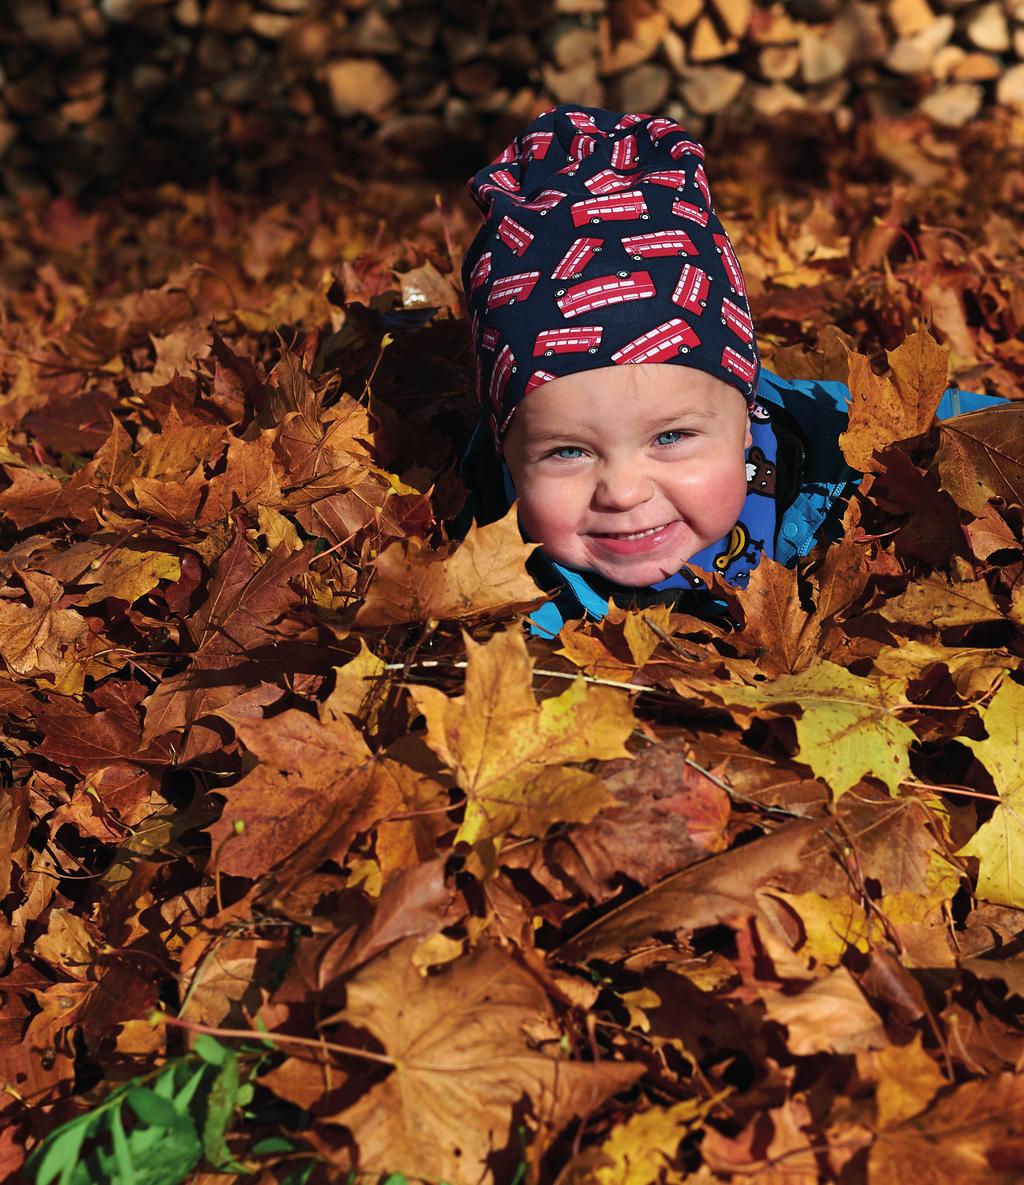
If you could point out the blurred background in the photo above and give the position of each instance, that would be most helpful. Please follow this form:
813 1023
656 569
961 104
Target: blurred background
100 94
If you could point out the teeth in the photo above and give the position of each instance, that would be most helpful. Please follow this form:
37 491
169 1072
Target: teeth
639 534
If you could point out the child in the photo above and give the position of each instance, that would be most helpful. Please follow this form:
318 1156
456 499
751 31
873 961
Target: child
623 400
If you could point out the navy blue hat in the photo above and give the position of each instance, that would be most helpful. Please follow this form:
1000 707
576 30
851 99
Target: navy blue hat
600 246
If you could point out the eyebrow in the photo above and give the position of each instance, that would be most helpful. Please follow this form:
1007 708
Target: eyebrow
650 426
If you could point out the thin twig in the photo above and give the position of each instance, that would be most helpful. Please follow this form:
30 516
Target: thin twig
283 1038
670 642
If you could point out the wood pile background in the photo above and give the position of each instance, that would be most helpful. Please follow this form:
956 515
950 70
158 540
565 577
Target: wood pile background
115 92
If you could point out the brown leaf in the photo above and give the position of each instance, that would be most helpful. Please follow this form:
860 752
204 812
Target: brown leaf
829 1016
720 889
311 791
485 576
883 412
461 1063
960 1139
39 638
981 457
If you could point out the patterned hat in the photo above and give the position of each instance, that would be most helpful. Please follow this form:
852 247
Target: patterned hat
600 246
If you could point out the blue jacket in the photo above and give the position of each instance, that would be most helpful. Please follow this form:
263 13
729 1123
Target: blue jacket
819 410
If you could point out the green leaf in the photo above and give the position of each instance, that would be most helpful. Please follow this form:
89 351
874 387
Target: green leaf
210 1049
187 1092
395 1179
152 1109
300 1174
220 1110
271 1146
58 1153
164 1084
122 1154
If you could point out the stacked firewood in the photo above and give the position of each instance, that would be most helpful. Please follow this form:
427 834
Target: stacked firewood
106 89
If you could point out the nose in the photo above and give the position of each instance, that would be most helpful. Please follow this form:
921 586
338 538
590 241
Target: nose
622 485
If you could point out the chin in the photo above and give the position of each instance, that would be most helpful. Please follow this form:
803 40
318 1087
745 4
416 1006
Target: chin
640 575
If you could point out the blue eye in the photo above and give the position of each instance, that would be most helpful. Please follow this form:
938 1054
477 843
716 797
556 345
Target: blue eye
560 453
673 436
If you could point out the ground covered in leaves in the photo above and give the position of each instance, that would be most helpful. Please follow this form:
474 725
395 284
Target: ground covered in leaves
658 901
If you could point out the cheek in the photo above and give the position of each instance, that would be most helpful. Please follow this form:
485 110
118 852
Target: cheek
549 511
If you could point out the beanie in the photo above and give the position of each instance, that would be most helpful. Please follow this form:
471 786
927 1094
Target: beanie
600 246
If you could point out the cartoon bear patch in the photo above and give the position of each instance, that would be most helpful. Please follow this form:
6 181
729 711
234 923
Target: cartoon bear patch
760 473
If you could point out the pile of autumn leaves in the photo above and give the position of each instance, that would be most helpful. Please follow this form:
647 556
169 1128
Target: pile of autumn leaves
660 900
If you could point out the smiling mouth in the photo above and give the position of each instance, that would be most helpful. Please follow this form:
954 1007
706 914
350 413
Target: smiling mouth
631 534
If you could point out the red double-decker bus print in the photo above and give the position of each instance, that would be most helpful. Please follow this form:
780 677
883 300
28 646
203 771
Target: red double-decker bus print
738 320
659 344
689 211
580 253
611 207
489 338
504 368
604 290
735 362
580 147
583 122
630 120
481 272
732 264
607 181
659 242
505 156
670 178
686 147
700 179
536 144
515 236
538 378
658 128
508 289
546 200
624 152
578 340
691 293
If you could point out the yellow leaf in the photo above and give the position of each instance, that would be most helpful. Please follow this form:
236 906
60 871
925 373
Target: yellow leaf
831 925
908 1080
845 725
640 1149
128 574
999 842
508 752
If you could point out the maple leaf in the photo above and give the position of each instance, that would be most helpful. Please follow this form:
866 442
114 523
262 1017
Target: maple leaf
831 1015
39 638
999 842
484 576
642 1147
845 724
907 1080
312 790
981 457
461 1062
940 602
958 1141
110 565
508 752
884 411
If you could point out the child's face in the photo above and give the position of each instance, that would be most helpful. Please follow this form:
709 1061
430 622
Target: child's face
628 471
